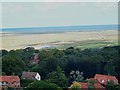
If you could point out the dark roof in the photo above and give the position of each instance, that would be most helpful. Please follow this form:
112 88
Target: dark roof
29 75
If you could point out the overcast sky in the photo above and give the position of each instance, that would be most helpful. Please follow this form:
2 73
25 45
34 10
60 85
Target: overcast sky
38 14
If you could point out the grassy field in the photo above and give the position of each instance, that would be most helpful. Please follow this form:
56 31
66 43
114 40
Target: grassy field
89 44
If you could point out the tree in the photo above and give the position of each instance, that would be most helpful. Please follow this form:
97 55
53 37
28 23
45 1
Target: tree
12 65
43 85
110 85
91 84
118 88
25 82
47 65
76 76
3 52
109 68
58 77
91 87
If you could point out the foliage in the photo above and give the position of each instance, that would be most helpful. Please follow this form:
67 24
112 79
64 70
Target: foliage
103 60
3 52
76 76
118 88
110 85
92 82
25 82
58 77
91 87
42 85
75 86
12 65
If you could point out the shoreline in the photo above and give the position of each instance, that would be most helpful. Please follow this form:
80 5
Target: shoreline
17 41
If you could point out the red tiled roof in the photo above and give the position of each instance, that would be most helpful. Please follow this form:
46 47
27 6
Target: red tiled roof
103 79
84 86
97 86
9 79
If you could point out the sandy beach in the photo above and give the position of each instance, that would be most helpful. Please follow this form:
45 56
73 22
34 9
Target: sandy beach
17 41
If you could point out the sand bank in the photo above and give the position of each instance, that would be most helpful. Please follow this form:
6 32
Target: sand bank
17 41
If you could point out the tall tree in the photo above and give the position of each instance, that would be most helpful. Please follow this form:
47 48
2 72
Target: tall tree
12 65
58 77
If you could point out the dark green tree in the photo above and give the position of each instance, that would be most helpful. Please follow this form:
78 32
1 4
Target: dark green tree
42 85
76 76
12 65
3 52
110 85
58 77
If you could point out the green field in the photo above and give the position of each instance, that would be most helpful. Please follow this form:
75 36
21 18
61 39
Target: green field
88 44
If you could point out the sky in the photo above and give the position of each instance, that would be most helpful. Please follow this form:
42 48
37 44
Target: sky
44 14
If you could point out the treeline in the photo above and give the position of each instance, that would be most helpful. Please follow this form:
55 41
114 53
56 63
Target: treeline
50 61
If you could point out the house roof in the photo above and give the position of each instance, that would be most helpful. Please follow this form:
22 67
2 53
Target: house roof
103 79
83 85
29 75
97 86
9 79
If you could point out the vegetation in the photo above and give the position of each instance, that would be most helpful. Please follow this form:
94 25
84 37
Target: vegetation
110 85
42 85
25 82
58 77
62 67
76 76
75 86
88 44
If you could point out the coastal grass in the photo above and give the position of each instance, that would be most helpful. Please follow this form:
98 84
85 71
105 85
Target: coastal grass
89 44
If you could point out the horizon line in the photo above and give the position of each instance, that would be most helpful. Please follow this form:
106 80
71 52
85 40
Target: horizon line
57 26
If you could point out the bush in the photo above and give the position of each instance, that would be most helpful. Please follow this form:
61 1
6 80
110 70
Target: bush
25 82
43 85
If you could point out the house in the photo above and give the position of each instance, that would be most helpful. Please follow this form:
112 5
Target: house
103 79
10 81
98 82
31 76
84 86
87 85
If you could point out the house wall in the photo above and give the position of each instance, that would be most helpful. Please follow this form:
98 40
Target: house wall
38 77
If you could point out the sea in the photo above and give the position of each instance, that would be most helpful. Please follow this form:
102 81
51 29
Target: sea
56 29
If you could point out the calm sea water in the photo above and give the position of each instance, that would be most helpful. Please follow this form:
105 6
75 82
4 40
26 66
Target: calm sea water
61 29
